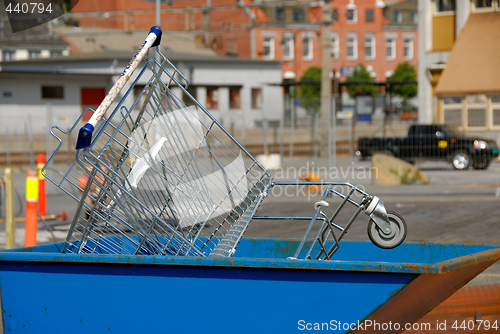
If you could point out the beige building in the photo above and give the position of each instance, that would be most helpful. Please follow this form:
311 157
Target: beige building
459 67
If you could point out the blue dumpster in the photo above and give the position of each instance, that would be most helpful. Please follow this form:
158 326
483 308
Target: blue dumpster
258 290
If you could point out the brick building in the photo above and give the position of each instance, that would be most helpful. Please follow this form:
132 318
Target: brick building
375 33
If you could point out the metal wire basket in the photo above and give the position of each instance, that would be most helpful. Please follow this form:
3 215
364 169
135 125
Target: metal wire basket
161 176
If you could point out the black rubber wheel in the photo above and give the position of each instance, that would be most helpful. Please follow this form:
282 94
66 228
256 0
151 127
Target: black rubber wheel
481 163
397 236
460 160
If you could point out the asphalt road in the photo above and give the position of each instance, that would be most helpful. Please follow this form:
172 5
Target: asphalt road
456 206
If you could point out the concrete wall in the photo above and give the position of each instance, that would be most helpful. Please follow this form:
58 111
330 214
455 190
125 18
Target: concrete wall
21 99
425 114
20 94
248 76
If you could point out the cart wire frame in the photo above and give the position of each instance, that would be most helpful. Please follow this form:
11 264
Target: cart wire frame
164 177
203 200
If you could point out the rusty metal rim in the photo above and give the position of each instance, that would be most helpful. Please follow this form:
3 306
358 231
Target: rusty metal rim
31 255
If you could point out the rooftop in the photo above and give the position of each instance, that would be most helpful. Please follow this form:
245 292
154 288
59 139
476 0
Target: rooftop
92 40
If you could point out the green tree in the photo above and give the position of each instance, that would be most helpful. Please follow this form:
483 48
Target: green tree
404 72
310 95
361 74
310 98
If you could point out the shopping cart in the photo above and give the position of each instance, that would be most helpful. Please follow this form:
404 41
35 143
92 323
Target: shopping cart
161 176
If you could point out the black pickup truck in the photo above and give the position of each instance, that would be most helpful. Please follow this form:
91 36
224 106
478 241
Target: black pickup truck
433 142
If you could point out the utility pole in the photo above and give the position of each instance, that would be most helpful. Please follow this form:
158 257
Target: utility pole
158 24
206 19
326 84
158 9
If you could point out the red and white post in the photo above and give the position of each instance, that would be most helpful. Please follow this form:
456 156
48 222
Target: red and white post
42 199
31 222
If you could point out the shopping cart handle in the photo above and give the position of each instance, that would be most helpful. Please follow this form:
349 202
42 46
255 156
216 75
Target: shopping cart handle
85 133
84 136
157 31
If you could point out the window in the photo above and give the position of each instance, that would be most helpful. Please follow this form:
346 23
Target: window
352 47
298 14
234 98
452 110
496 117
335 15
390 46
256 98
408 45
369 15
52 92
289 46
369 46
453 117
445 5
476 110
495 98
352 16
280 14
495 110
397 16
268 48
452 99
483 3
9 55
476 117
212 98
34 54
307 48
334 42
413 16
476 99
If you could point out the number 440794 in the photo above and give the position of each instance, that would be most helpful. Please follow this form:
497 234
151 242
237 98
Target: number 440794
29 8
475 325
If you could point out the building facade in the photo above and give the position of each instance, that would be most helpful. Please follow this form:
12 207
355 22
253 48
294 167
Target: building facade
237 92
459 66
375 33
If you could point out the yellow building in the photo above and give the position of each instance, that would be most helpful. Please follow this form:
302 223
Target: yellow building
459 68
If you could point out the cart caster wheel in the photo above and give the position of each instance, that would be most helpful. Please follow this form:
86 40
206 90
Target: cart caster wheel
397 236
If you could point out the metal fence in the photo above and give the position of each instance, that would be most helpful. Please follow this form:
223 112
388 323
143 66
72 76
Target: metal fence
299 132
359 126
295 134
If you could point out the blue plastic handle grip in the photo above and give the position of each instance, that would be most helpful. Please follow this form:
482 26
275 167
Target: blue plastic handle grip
157 31
84 136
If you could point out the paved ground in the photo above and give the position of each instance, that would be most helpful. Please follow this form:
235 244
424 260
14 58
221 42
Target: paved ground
456 206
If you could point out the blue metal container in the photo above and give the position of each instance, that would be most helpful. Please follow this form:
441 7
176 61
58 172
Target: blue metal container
258 290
